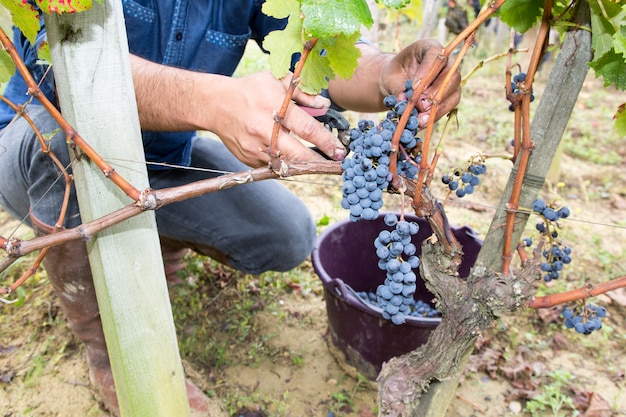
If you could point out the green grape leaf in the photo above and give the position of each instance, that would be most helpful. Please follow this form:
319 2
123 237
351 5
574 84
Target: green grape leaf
64 6
43 54
612 68
414 11
328 18
316 72
521 15
602 39
21 296
609 42
24 16
620 41
343 54
282 8
282 44
620 120
396 4
7 66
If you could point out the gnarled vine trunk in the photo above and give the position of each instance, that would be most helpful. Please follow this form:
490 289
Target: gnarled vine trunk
421 383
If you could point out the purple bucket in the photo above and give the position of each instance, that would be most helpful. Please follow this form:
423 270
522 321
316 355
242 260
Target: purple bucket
344 258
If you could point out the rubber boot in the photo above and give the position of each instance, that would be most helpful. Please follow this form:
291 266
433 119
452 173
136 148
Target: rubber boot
173 253
67 266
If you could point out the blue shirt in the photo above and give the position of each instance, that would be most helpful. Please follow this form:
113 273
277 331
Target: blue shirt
200 35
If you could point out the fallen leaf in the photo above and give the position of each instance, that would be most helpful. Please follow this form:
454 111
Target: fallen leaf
549 315
559 342
365 411
598 407
618 202
618 296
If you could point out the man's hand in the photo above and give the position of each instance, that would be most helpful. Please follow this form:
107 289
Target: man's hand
413 63
239 110
246 121
380 74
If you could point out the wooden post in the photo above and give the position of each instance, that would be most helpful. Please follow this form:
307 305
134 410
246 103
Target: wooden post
92 71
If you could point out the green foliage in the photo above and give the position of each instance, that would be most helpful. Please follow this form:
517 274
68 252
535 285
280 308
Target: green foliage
620 120
412 10
328 18
24 17
282 44
609 41
64 6
552 396
521 15
339 58
612 68
396 4
336 24
7 67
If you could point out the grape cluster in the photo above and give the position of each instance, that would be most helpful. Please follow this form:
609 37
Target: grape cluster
396 256
584 318
366 172
556 255
464 182
417 308
518 79
363 185
549 213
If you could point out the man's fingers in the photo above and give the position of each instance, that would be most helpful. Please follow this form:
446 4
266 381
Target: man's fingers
314 101
296 151
443 108
307 128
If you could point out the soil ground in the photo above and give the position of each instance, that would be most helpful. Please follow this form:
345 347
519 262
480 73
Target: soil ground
261 342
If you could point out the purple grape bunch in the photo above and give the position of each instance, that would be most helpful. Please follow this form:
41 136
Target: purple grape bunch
464 182
585 319
556 255
418 308
516 85
397 257
366 171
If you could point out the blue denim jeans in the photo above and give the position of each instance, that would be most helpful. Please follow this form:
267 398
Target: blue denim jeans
258 226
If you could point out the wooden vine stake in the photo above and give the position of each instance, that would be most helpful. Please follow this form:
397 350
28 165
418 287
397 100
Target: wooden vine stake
92 71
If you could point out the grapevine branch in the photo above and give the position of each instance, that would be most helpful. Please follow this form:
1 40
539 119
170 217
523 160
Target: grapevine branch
275 162
523 112
424 165
20 111
466 36
588 291
17 248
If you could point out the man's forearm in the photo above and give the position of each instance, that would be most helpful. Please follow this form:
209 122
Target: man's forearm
362 92
167 97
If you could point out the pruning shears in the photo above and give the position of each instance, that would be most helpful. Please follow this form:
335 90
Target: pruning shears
331 119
